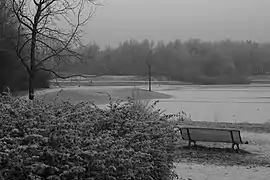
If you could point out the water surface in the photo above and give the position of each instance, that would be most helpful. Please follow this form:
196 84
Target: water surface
222 104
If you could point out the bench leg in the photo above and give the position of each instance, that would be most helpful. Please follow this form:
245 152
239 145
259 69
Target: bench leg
237 146
189 143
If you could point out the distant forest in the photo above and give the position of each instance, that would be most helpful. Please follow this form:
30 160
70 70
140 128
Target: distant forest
196 61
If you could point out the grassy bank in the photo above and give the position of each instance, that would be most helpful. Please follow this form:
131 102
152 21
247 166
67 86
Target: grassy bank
256 153
100 95
249 127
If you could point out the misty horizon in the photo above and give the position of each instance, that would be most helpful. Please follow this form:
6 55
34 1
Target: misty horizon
208 20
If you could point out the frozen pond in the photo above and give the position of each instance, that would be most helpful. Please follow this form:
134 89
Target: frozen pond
220 103
227 103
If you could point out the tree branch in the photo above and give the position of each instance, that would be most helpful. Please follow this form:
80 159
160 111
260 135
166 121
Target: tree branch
69 76
17 14
59 51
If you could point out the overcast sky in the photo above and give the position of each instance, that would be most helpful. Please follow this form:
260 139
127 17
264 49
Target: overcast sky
168 20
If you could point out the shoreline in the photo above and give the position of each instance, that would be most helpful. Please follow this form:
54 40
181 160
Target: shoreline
100 96
162 87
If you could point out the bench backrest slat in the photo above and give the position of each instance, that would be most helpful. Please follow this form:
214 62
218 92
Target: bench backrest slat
211 134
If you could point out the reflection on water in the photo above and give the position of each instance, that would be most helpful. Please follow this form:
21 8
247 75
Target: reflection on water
249 104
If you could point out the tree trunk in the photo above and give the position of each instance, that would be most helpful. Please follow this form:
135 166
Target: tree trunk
32 64
150 79
31 87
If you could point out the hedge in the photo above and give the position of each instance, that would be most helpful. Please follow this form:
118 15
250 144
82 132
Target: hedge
126 141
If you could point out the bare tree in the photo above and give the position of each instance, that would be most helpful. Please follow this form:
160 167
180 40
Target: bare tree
52 30
149 63
149 69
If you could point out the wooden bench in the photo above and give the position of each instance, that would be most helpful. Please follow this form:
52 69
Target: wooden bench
225 135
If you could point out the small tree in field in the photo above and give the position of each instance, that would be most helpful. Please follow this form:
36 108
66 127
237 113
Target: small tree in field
149 69
149 62
51 31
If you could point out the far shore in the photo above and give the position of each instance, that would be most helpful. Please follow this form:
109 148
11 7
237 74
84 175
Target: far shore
157 85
